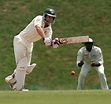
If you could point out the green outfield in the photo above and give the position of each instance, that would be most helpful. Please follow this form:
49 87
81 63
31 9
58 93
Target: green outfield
56 97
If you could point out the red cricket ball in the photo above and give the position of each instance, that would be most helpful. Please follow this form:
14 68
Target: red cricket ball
72 73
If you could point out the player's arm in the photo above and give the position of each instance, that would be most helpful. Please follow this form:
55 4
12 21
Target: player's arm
99 59
46 40
38 25
40 31
80 59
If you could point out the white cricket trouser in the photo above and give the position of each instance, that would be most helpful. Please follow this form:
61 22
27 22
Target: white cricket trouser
84 71
23 54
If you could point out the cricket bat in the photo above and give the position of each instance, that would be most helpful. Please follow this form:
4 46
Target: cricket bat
71 40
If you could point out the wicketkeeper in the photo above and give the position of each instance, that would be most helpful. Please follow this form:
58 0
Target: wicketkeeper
90 56
38 28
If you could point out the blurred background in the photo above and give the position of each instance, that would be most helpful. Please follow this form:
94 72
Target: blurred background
74 18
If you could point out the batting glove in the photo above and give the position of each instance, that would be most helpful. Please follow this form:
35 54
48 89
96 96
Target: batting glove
55 43
47 41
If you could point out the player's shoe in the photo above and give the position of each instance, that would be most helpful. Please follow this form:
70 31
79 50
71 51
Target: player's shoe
11 80
24 89
14 89
12 83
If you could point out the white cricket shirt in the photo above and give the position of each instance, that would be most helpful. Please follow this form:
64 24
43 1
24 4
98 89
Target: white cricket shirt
29 34
95 55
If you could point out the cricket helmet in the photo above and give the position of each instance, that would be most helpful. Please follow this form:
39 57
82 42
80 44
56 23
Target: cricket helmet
49 12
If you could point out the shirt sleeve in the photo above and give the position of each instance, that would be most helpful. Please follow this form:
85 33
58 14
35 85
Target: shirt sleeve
37 21
99 56
79 56
48 30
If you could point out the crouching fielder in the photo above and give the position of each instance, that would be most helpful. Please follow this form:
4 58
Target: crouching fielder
38 28
90 56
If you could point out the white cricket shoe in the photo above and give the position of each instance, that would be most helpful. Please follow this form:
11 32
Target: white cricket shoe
24 89
14 89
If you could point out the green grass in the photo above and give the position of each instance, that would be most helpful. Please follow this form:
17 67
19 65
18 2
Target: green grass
56 97
74 18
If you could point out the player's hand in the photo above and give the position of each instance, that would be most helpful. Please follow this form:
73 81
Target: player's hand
80 63
55 43
47 41
93 64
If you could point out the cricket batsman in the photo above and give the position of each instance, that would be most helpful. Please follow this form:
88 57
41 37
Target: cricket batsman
90 56
39 28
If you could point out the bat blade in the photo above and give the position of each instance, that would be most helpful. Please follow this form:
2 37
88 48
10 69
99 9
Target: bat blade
72 40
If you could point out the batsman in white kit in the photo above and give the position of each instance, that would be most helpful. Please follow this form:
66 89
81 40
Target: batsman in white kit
90 56
38 28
